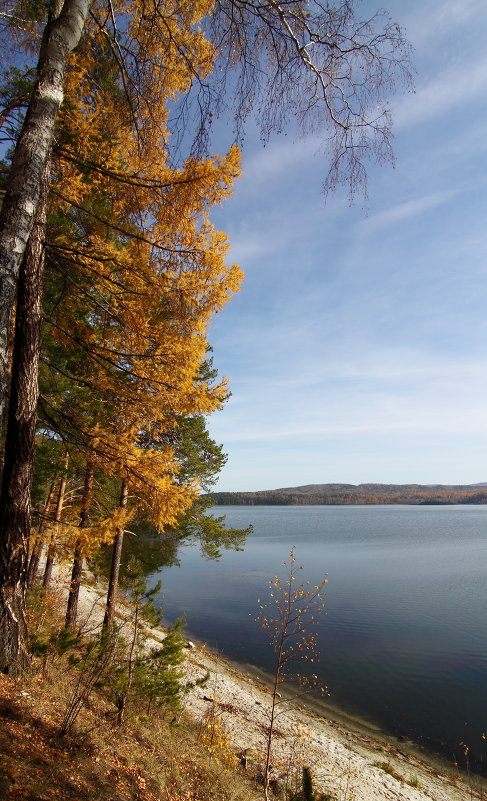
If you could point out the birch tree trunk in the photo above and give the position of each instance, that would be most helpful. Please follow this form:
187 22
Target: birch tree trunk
61 34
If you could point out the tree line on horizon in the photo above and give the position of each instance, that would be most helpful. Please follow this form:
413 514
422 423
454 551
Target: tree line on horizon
110 268
361 494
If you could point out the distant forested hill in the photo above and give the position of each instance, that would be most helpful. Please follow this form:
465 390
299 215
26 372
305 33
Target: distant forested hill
332 494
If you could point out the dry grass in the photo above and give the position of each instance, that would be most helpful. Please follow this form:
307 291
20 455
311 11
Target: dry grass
148 759
144 761
388 768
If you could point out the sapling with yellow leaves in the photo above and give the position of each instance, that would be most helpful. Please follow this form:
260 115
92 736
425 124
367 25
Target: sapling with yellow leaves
290 619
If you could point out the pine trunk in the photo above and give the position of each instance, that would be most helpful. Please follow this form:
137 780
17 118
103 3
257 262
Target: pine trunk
115 566
51 551
73 597
10 352
34 561
15 503
30 157
46 579
36 554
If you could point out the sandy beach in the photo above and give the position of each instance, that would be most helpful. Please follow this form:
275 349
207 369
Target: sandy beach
346 764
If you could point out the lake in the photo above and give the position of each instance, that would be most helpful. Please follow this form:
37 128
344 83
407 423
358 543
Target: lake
403 642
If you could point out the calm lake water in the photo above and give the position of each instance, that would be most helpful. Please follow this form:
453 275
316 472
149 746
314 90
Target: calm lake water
403 642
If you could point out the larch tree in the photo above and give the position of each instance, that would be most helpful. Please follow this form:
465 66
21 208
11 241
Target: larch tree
150 292
132 319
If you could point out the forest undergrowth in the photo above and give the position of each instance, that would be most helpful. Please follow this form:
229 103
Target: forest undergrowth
160 755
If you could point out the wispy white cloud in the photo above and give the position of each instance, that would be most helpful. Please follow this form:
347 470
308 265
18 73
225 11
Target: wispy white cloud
437 20
278 225
279 157
407 209
453 90
249 245
408 417
383 392
396 364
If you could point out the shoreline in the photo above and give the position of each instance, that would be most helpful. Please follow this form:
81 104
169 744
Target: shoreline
349 761
356 724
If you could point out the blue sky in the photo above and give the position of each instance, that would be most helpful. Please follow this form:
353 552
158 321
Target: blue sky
356 349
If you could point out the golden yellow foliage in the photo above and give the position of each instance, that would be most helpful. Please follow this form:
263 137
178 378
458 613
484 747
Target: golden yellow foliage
145 270
216 741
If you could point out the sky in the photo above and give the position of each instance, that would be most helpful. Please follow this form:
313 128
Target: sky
356 349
